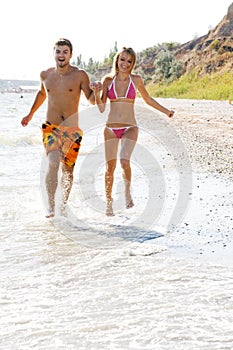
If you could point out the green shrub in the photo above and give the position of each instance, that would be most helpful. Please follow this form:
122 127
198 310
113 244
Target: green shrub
210 87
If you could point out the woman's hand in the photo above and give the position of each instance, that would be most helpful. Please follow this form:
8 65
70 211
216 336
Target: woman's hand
170 113
96 86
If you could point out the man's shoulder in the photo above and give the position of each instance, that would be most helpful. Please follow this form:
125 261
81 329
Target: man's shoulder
78 70
44 74
81 74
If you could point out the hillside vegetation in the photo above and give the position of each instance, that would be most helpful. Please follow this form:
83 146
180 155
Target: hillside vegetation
199 69
214 86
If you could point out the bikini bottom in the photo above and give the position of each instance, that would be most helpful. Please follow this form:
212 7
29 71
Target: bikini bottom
119 132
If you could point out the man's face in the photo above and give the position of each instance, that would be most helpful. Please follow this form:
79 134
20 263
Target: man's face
62 55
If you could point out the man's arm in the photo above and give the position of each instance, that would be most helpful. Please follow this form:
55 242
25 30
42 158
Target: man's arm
39 99
85 86
97 87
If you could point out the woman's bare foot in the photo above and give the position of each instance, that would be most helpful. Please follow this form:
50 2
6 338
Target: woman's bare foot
129 204
129 201
109 209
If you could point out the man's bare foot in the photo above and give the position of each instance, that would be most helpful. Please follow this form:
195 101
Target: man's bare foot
63 210
109 209
50 214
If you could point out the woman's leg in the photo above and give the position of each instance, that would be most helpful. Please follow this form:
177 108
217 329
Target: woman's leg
111 147
128 142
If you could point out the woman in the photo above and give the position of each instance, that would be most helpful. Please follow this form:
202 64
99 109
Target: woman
120 88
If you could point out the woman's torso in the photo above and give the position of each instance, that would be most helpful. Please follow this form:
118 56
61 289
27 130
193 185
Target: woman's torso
122 96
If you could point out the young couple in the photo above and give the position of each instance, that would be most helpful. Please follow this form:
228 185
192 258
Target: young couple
62 86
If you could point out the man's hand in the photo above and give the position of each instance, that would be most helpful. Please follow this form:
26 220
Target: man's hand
96 86
26 120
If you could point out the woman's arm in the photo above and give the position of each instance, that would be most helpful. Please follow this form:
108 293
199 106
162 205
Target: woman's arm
150 100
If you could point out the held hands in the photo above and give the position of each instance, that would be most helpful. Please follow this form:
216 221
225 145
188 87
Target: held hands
96 86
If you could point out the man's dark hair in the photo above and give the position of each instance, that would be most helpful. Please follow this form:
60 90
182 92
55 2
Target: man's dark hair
62 42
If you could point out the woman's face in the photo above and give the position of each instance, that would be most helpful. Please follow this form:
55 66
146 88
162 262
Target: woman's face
125 62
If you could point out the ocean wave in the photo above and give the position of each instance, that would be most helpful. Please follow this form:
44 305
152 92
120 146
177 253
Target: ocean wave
20 140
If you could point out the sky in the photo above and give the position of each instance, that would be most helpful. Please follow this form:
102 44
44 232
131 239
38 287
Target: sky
30 28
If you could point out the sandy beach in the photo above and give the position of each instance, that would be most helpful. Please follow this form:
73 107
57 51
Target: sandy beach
206 129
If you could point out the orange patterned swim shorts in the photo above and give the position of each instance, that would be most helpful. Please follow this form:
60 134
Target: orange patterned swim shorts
65 139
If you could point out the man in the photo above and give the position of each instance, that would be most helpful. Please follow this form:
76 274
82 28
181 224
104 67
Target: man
62 85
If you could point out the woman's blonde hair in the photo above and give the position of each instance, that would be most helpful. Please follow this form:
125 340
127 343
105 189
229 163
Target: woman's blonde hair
127 50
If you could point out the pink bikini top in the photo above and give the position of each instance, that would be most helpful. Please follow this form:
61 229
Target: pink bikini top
130 92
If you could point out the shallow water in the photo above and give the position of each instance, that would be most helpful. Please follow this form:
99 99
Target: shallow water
127 282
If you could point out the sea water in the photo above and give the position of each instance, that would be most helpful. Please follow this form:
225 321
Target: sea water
157 276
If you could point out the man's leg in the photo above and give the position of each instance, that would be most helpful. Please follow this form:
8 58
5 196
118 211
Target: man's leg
51 180
66 184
